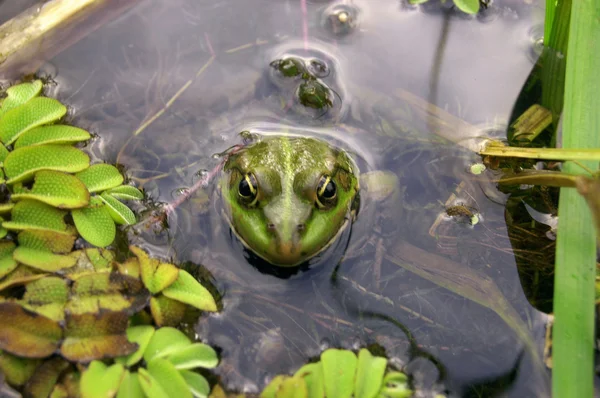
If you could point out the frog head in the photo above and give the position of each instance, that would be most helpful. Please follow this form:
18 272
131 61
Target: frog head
288 198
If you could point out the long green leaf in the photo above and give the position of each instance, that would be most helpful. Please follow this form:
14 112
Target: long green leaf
576 243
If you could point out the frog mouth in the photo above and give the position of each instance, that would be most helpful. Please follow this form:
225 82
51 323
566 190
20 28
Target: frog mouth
334 238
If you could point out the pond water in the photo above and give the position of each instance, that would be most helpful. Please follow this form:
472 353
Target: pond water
408 87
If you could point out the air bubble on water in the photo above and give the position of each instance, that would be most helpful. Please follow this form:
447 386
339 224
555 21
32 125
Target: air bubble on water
324 344
179 192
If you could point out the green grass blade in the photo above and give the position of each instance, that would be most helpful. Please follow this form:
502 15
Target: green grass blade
549 19
576 243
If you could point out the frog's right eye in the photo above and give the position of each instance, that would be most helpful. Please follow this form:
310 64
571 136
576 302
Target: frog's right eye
248 189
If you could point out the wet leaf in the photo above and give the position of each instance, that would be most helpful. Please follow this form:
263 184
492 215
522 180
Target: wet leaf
395 385
35 112
468 6
188 290
126 192
130 386
41 384
43 260
31 214
339 368
7 262
164 342
96 336
101 381
369 374
6 207
270 391
22 163
197 355
47 240
166 312
20 94
56 189
197 384
96 292
169 378
155 275
312 374
3 231
27 334
54 134
100 177
293 387
95 224
17 370
59 391
130 267
21 275
120 213
3 153
150 385
50 289
54 311
140 335
90 260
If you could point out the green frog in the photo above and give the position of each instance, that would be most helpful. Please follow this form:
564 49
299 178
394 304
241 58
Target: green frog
287 198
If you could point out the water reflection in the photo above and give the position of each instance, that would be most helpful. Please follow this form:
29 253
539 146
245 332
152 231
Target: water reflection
170 83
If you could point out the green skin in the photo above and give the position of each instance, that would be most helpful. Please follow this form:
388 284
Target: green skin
286 221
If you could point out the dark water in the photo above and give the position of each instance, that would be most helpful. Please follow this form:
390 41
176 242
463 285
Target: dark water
212 58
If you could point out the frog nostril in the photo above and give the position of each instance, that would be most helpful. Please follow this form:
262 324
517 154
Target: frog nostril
301 227
271 227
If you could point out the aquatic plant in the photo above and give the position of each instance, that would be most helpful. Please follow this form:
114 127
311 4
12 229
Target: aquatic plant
342 374
68 306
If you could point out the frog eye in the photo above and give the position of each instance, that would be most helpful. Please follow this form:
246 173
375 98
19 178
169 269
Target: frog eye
326 191
248 188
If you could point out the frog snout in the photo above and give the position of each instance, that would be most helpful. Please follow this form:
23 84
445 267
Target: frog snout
287 248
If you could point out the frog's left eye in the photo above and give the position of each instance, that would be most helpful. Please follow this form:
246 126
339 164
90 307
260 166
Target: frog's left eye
326 191
248 189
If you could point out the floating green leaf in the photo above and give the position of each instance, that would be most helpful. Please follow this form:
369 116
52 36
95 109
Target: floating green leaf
45 377
101 381
164 342
17 370
141 336
126 192
395 384
468 6
7 263
28 334
100 177
196 383
271 390
31 214
3 154
339 368
312 374
95 336
47 241
197 355
20 94
169 378
95 224
35 112
188 290
57 189
47 290
21 275
292 387
54 134
120 213
130 386
151 386
43 260
6 207
165 311
155 275
22 163
369 374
